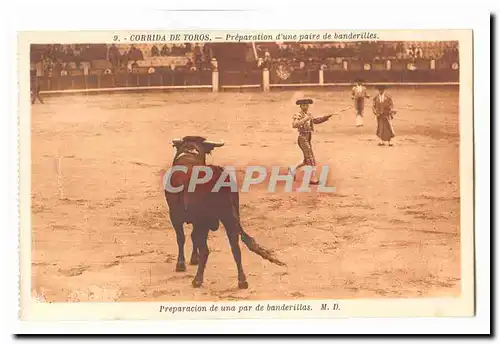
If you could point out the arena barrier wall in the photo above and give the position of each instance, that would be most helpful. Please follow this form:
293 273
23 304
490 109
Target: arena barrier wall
257 79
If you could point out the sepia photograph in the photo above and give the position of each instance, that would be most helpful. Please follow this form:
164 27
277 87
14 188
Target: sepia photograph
220 171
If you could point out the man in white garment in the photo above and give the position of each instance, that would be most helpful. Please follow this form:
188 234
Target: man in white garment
359 94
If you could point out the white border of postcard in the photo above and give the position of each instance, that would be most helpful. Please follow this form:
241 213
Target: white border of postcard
462 306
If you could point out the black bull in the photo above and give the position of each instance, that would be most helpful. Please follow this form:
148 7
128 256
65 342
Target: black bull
205 210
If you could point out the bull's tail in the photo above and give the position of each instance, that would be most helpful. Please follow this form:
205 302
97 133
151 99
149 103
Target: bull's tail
258 249
247 239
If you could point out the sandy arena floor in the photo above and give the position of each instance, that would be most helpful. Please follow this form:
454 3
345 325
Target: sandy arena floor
390 230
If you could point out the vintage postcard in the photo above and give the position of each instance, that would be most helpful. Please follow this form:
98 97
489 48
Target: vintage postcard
170 175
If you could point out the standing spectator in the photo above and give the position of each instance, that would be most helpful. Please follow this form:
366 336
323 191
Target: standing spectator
77 57
154 51
260 62
419 53
135 54
267 55
267 59
165 50
114 56
35 89
414 52
198 58
206 52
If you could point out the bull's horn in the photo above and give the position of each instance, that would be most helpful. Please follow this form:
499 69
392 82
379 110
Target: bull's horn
174 141
215 144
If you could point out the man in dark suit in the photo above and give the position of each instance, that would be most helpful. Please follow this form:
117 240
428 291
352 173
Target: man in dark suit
35 90
383 109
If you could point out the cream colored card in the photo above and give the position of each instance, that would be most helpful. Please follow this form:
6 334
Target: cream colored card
395 238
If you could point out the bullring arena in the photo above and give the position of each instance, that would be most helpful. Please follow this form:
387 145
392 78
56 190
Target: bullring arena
100 225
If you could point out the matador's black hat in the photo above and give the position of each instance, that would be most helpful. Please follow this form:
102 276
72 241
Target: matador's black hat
381 87
304 101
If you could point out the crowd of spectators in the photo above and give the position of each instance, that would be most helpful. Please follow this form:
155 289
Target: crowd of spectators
365 50
177 49
360 50
60 58
118 59
76 53
135 54
312 56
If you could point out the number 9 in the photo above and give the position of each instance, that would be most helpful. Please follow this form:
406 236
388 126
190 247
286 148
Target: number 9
115 38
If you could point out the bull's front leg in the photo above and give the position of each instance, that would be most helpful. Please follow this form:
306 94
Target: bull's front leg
178 225
200 236
194 255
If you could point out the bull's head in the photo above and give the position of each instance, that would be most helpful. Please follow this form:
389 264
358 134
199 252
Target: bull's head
193 149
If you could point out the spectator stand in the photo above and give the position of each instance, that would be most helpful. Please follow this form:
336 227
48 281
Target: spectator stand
90 68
